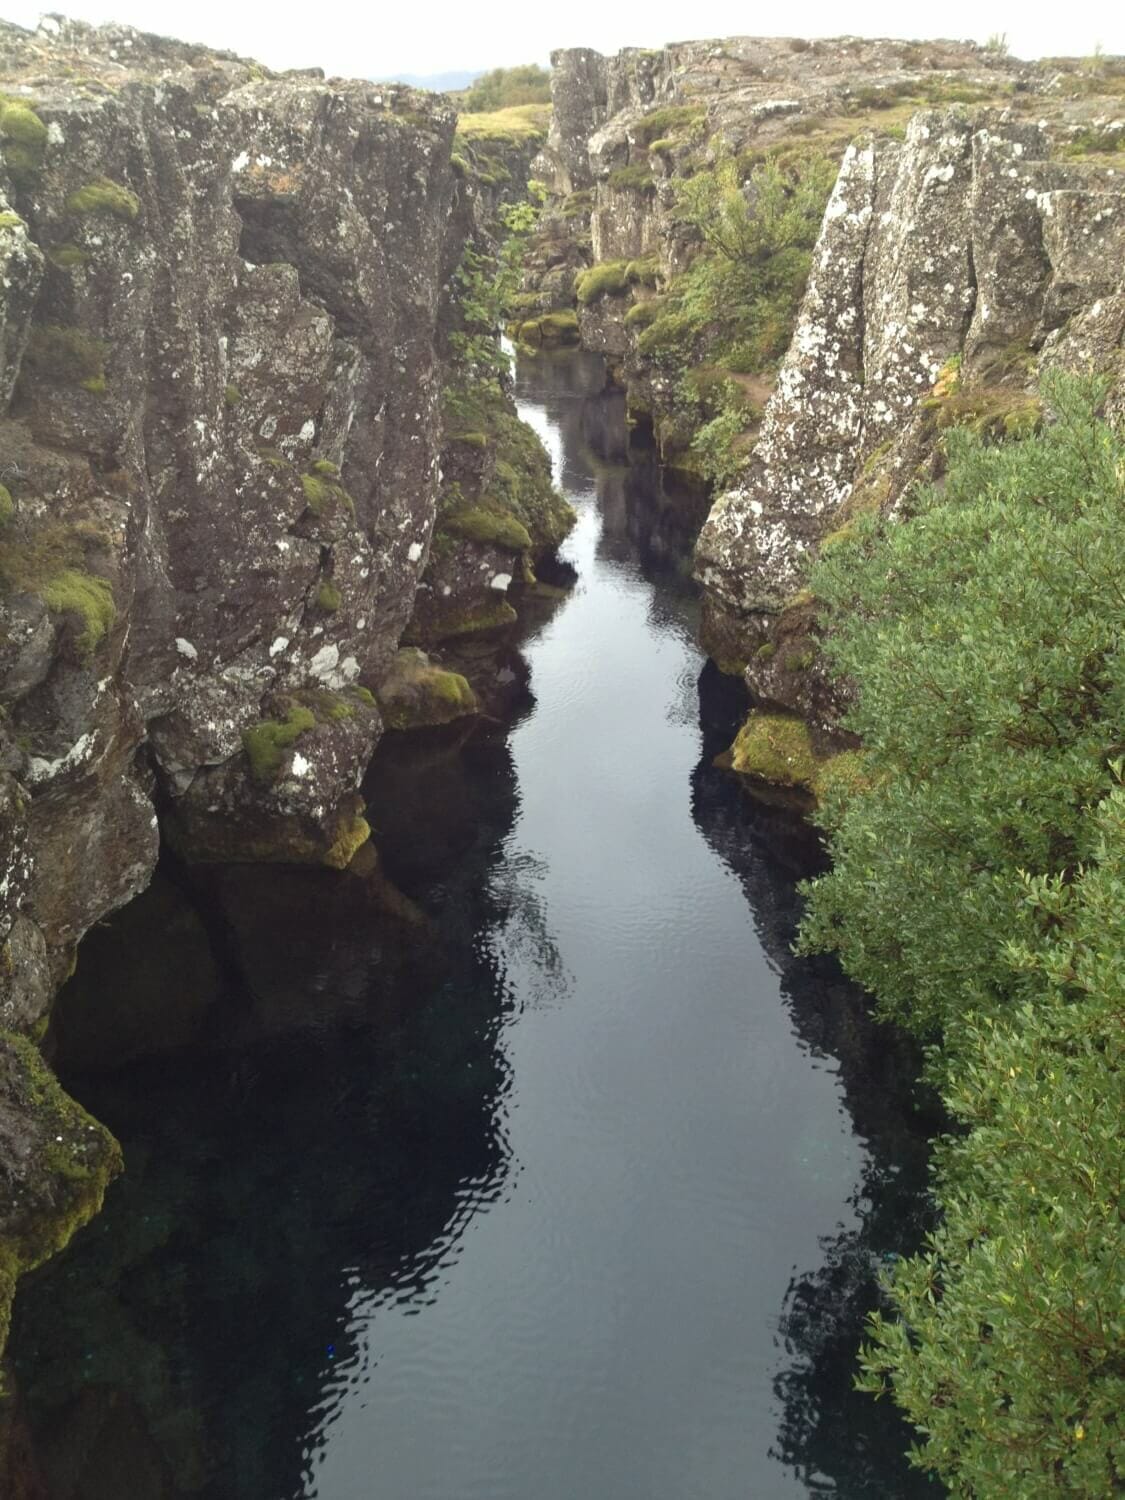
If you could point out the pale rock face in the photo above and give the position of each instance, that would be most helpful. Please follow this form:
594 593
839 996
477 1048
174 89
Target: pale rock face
961 240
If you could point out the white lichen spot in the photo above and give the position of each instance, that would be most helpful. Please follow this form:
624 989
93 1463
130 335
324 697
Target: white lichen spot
500 582
415 551
325 662
300 765
185 648
279 645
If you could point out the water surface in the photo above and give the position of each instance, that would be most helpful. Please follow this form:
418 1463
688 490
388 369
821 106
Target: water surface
559 1178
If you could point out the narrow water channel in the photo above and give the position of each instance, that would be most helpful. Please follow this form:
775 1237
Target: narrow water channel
555 1177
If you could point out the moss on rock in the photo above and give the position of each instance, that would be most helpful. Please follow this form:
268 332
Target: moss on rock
488 527
23 140
775 748
104 198
416 694
322 496
56 1161
268 743
73 591
352 832
67 356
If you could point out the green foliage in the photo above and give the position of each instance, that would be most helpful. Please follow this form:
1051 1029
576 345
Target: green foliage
978 888
635 178
504 87
669 120
1009 1351
485 285
104 198
267 744
983 634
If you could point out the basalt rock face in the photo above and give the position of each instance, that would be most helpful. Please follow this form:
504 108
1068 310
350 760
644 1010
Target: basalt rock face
963 243
226 298
220 439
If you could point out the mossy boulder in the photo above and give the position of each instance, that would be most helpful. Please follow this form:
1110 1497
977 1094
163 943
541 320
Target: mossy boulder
418 694
55 1164
492 527
775 748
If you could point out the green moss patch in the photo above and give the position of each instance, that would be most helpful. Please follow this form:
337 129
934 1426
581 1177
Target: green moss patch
323 496
351 835
556 329
416 694
775 748
90 598
669 120
635 178
65 1160
67 256
23 140
104 198
488 527
328 597
11 221
267 744
521 484
7 505
608 278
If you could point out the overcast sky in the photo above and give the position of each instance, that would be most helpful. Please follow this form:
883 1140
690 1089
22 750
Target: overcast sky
413 36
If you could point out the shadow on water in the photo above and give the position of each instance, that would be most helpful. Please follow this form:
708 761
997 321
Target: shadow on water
428 1154
330 1123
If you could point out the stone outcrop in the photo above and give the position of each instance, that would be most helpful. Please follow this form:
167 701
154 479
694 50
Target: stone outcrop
227 300
963 243
985 230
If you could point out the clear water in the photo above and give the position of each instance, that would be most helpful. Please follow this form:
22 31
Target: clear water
567 1181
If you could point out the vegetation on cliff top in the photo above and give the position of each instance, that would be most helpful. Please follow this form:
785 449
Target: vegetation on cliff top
978 889
503 88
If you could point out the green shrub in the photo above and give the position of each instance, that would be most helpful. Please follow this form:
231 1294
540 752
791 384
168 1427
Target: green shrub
501 88
635 178
670 119
978 889
104 198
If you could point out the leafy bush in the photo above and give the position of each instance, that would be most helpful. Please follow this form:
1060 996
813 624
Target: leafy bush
503 87
984 635
978 888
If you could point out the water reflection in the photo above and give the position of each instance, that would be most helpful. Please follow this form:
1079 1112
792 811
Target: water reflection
334 1126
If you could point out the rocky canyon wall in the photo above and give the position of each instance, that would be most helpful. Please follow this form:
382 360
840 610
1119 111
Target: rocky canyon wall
228 308
975 236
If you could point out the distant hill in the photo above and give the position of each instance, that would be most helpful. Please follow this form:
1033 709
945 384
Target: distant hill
439 83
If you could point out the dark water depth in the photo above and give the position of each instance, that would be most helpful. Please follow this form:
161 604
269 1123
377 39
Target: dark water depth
530 1167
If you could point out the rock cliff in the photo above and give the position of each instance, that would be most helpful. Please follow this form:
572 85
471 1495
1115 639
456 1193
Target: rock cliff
228 307
974 236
